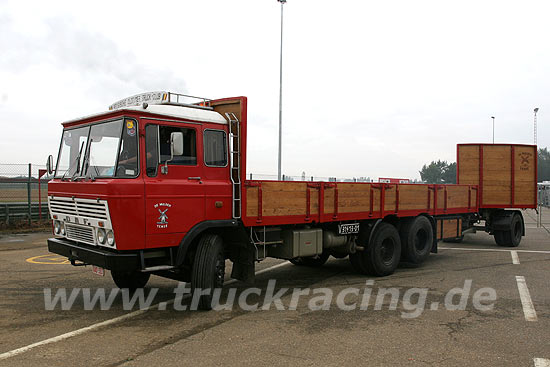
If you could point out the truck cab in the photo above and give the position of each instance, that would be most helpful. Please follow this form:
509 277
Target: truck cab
131 183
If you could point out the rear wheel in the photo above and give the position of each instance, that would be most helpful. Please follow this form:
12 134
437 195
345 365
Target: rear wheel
131 280
208 268
381 256
512 236
417 240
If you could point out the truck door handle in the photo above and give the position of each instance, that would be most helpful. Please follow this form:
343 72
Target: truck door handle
194 178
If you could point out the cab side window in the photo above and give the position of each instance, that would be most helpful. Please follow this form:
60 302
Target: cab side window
215 148
151 149
189 156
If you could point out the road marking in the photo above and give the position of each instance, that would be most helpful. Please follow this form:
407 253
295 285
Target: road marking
50 259
70 334
515 257
528 308
541 362
492 250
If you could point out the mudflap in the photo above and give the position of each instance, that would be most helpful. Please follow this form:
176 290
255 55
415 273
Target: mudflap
243 258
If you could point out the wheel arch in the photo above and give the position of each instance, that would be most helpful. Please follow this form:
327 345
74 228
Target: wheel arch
191 239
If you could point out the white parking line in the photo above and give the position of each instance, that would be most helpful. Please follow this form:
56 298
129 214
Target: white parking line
541 362
515 257
491 250
58 338
528 308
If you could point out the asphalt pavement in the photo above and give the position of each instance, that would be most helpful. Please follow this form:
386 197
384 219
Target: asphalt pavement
511 329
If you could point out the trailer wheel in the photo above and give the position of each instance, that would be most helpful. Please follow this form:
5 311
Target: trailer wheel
512 236
208 268
416 240
383 253
320 260
130 280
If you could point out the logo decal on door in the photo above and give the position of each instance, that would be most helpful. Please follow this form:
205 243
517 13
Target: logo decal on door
162 221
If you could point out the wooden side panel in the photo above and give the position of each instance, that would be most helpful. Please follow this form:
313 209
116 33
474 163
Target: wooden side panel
352 198
390 193
251 202
468 168
525 175
449 228
413 197
497 176
282 199
457 197
329 200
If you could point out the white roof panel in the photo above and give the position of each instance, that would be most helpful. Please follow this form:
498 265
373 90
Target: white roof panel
189 113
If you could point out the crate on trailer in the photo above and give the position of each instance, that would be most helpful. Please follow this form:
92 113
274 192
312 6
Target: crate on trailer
506 173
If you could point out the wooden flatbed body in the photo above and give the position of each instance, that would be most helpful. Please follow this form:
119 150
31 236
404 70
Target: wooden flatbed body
279 203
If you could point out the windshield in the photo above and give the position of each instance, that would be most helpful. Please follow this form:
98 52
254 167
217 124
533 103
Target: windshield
110 150
72 144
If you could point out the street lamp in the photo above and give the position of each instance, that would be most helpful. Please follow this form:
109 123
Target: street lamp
535 125
493 117
281 93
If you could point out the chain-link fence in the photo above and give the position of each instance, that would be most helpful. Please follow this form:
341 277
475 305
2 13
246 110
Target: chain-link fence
23 193
304 177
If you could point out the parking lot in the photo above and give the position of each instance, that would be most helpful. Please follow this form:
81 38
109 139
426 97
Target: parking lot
515 332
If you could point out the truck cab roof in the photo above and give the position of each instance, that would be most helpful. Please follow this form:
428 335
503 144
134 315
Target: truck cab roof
188 113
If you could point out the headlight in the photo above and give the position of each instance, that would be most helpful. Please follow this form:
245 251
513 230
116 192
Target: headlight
57 227
63 229
110 238
101 235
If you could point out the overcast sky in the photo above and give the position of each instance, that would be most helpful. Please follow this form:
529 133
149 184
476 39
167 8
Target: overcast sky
370 88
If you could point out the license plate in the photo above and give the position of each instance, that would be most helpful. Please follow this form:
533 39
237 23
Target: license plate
97 270
352 228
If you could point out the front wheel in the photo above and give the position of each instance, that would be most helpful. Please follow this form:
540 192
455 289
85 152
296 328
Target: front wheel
208 269
131 280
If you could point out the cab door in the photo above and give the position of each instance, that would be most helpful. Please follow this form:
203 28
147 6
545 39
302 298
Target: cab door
175 196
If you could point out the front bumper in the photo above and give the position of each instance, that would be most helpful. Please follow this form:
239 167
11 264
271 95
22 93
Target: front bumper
91 255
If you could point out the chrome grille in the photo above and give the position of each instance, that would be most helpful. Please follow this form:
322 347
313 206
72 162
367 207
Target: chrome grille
80 233
79 207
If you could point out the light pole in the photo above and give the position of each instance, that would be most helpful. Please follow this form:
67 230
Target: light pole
493 117
535 125
281 93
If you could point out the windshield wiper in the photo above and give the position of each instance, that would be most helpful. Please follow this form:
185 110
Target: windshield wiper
77 159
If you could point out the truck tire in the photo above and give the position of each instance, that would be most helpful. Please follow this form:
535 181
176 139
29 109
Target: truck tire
511 237
416 240
130 280
384 251
318 261
208 268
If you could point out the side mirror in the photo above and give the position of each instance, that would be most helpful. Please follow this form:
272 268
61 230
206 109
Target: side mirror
49 165
176 144
176 148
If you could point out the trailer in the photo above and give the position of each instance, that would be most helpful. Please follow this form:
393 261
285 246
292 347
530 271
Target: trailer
157 185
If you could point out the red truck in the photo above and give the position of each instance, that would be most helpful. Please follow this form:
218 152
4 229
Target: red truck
157 185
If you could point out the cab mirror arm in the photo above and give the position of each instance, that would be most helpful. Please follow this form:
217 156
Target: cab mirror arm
176 148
